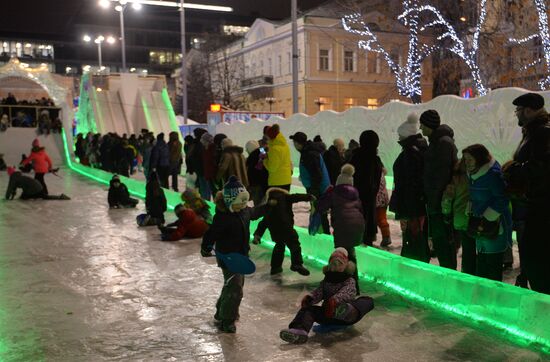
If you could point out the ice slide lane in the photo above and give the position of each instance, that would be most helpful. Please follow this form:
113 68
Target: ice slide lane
518 314
81 282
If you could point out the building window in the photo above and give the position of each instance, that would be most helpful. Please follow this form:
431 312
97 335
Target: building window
324 103
378 64
349 64
372 103
324 59
289 57
235 30
269 67
349 102
280 72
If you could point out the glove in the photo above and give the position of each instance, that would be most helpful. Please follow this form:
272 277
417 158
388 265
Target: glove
205 253
330 308
307 301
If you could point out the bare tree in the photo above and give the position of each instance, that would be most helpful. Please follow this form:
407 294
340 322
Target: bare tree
227 74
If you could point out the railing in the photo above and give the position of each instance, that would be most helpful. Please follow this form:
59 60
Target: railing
21 115
261 80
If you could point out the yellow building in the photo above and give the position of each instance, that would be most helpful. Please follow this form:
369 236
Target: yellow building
333 72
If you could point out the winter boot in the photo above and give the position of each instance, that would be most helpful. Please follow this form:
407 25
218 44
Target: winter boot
386 241
299 269
293 335
276 270
228 326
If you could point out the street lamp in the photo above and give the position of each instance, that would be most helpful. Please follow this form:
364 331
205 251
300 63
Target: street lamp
270 100
99 40
120 7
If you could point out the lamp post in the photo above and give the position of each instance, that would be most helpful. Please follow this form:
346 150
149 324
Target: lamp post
121 7
99 40
270 100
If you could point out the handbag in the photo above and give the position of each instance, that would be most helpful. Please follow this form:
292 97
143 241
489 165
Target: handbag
480 227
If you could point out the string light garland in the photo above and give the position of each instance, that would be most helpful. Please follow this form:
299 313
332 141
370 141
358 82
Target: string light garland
408 76
544 37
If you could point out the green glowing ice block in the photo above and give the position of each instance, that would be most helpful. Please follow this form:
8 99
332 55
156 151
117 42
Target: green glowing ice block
519 315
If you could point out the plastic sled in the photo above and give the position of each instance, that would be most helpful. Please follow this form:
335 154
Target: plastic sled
328 328
237 263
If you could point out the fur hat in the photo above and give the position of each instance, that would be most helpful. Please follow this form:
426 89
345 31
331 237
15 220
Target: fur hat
36 143
251 146
234 193
346 175
272 131
409 127
430 119
226 142
339 262
11 170
207 139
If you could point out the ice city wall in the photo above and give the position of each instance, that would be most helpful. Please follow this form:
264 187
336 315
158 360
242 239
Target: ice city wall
489 120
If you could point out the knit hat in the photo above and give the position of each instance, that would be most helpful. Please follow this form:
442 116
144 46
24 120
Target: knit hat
179 208
11 170
251 146
36 143
115 178
191 198
207 139
338 260
272 131
299 137
346 175
234 193
409 127
226 142
430 119
529 100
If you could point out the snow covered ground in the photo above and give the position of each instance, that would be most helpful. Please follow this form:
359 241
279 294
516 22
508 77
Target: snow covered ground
81 282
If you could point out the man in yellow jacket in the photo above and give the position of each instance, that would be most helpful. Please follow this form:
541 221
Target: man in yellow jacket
278 163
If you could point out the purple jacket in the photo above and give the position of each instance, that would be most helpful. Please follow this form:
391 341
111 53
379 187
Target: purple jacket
346 212
335 285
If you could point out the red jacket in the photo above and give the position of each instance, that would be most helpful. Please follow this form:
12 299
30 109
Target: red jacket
41 162
189 226
209 162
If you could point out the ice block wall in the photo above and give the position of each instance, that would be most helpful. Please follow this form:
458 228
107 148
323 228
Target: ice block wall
489 120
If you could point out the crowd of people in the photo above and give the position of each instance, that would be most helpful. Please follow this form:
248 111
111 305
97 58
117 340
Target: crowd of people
46 120
471 202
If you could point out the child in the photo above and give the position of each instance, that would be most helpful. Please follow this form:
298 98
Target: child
155 202
193 201
26 168
382 202
41 163
337 291
279 219
230 232
188 225
3 165
119 196
346 214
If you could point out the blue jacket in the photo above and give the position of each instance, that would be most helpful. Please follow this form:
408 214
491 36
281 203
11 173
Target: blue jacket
160 155
488 200
313 171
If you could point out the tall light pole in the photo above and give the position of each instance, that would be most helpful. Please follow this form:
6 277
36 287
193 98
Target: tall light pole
183 63
99 40
294 11
121 7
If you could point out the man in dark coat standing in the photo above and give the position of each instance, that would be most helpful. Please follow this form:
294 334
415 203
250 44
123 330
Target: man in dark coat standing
160 160
368 172
334 159
530 172
439 161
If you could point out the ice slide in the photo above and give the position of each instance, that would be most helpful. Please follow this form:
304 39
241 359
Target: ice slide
159 114
86 284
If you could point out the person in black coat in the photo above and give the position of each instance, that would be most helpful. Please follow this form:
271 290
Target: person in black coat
439 161
118 195
155 200
334 159
368 172
529 175
256 172
160 160
279 219
195 163
407 199
230 233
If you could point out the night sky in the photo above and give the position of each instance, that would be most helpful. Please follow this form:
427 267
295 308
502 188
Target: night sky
55 19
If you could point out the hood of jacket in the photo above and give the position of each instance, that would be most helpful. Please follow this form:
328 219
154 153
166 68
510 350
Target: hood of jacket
541 120
37 149
491 166
280 140
313 147
348 192
442 131
416 140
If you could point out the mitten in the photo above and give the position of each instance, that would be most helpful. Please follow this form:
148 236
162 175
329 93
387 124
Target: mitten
330 308
307 301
